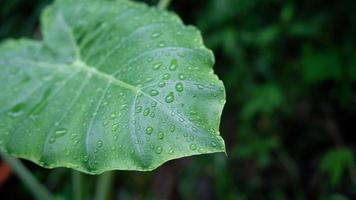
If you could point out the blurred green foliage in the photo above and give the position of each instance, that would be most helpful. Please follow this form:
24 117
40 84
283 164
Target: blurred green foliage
289 67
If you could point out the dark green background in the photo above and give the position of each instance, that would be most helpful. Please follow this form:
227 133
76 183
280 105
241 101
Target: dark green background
289 67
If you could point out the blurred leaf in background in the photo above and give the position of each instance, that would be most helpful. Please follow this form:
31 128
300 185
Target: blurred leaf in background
335 163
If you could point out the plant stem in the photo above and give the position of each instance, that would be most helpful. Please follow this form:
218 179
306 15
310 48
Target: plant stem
103 187
77 182
37 190
163 4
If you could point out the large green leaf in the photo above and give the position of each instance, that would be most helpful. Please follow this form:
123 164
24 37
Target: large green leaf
113 85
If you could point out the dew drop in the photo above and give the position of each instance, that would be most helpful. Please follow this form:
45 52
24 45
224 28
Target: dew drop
192 112
161 44
171 151
60 132
152 114
149 130
160 135
100 143
149 59
146 111
154 92
200 86
161 84
213 144
169 98
16 110
191 137
172 128
155 34
52 140
114 127
179 87
157 66
113 115
159 150
166 76
174 65
138 109
181 76
193 147
86 159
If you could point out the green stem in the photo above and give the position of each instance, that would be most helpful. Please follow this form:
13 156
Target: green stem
37 190
163 4
77 182
103 188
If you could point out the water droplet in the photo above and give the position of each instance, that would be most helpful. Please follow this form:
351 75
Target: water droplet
146 111
174 65
166 76
86 158
60 132
191 137
52 140
179 87
149 79
171 151
16 110
138 109
154 104
100 143
201 150
213 144
193 147
169 98
155 34
194 129
149 130
192 112
154 92
123 106
157 66
172 128
113 115
161 44
160 135
159 149
149 59
181 76
200 86
161 84
152 114
114 127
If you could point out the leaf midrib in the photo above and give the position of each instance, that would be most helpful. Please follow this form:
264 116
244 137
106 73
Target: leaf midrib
83 66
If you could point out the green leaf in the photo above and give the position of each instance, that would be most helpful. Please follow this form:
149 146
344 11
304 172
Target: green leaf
112 85
336 162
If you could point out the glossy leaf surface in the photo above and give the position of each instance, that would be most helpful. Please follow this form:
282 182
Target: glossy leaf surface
112 85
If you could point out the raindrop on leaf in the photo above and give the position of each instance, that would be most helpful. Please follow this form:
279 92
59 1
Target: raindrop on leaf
169 98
